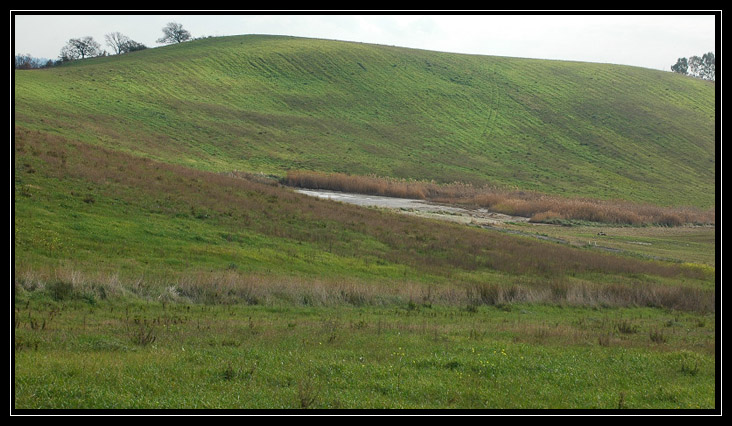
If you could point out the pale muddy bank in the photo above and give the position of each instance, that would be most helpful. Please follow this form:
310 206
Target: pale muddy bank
479 216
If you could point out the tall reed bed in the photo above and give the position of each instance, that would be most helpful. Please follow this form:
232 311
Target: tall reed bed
361 184
536 206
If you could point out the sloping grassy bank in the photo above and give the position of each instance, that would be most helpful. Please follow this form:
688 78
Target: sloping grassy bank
90 208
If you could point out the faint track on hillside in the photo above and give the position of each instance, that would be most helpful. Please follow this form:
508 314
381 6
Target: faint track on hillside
494 105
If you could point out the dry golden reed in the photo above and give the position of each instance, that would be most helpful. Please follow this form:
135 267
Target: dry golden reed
536 206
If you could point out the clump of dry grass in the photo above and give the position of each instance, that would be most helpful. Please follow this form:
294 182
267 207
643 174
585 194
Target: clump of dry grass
67 283
564 292
232 287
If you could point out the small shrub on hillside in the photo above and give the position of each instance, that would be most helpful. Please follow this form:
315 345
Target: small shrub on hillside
626 327
60 290
143 335
657 336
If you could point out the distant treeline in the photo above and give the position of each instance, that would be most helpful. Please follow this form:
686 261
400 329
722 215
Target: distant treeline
87 47
28 62
536 206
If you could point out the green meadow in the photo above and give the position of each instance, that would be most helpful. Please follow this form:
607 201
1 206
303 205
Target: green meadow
160 262
127 355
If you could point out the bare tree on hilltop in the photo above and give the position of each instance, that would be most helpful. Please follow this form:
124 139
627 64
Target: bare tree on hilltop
80 48
120 43
174 33
116 40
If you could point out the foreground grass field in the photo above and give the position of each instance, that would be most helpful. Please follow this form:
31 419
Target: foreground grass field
284 355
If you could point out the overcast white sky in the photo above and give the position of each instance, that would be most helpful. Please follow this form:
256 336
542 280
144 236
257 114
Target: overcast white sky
646 40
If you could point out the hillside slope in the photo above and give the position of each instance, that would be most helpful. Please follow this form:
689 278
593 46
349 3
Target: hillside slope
269 104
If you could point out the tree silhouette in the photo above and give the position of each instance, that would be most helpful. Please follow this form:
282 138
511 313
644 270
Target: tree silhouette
681 66
174 33
80 48
703 67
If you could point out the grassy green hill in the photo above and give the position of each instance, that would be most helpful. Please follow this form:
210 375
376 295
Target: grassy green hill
269 104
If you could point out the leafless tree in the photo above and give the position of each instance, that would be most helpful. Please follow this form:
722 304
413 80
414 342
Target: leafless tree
174 33
120 43
80 48
116 41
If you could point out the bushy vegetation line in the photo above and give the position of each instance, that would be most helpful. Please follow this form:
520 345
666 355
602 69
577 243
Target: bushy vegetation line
232 287
539 207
